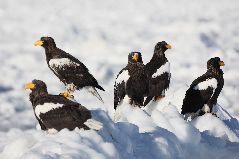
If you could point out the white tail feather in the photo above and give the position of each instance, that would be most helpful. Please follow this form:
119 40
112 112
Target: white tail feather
93 124
94 92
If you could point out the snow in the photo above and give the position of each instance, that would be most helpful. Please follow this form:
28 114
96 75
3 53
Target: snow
101 34
164 68
46 107
212 82
215 127
52 131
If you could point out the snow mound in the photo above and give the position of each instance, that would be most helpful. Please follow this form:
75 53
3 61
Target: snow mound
197 134
214 127
136 134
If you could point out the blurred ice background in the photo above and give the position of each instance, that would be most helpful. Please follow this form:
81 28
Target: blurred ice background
101 34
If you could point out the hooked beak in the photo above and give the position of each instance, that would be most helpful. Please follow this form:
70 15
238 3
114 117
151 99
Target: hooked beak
221 63
29 85
135 57
168 46
38 43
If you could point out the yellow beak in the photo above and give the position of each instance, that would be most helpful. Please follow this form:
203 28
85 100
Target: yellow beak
135 57
29 85
168 46
38 43
221 63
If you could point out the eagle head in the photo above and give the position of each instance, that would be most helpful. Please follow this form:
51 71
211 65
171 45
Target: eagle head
214 63
46 42
135 57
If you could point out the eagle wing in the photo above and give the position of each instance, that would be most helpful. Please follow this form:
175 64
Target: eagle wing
62 113
159 81
43 127
70 70
213 99
159 84
119 86
195 98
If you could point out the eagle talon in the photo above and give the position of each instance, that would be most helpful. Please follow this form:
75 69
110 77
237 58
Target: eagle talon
201 113
71 96
214 114
157 98
66 94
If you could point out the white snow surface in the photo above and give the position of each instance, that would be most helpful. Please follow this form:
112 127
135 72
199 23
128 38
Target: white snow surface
164 68
212 82
46 107
101 34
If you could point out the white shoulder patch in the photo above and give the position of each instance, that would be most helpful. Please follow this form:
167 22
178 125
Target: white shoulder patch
164 68
46 107
212 82
124 76
61 62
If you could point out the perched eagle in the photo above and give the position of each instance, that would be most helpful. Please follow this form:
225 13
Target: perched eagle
203 92
73 73
55 112
158 69
131 81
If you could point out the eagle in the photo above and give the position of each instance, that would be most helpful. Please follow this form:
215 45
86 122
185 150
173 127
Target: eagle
132 81
158 69
203 92
56 112
73 73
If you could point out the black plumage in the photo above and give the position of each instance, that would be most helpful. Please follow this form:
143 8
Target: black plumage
55 111
73 73
131 81
158 69
203 92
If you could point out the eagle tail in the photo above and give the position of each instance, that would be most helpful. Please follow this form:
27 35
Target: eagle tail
100 88
147 100
93 124
94 92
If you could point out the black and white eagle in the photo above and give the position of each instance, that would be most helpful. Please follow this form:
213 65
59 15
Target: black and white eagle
158 69
55 112
203 92
132 81
73 73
